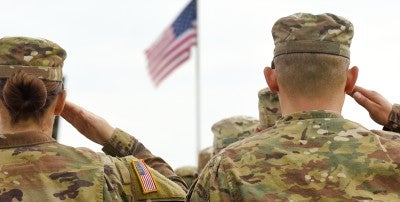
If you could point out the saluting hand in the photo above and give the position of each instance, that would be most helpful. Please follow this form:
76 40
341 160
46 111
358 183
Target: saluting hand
90 125
377 106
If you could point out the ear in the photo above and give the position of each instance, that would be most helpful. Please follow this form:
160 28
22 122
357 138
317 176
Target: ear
270 77
60 103
352 75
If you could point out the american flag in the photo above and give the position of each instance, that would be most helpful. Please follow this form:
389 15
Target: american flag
145 177
172 48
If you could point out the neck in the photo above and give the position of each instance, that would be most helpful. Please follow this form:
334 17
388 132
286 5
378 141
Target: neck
25 126
44 125
290 105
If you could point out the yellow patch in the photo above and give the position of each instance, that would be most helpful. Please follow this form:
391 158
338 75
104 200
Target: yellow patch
145 177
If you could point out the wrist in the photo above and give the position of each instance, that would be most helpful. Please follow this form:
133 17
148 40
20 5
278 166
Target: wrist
109 132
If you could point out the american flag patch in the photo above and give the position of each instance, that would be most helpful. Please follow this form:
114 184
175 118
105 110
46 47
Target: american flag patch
145 177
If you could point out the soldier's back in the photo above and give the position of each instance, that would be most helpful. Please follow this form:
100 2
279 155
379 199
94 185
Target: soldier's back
307 156
50 171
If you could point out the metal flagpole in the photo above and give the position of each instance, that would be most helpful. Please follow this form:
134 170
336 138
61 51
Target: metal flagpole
197 84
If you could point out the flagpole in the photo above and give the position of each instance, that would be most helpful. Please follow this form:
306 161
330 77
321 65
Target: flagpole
197 85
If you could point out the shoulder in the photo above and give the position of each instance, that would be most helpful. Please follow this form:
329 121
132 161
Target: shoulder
214 182
139 180
393 136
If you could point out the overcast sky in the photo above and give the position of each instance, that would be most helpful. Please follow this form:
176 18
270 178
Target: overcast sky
106 67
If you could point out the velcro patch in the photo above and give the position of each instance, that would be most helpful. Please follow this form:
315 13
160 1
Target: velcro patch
145 177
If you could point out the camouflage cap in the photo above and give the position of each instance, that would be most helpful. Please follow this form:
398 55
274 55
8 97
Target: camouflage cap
307 33
232 129
268 107
39 57
204 156
187 173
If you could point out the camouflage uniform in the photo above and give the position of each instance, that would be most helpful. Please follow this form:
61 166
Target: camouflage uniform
235 128
306 156
34 167
232 129
269 108
315 155
188 173
204 156
394 119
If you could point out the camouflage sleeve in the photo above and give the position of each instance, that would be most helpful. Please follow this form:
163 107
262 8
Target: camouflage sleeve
129 179
122 144
212 184
394 120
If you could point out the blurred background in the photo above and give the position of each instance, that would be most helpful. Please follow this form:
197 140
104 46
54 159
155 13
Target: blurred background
105 70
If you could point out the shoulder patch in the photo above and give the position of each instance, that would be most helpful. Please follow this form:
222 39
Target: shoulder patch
146 178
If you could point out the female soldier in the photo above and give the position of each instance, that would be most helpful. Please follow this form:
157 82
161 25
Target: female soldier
34 167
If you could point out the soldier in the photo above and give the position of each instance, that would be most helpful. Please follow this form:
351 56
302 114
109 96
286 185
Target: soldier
188 173
34 167
232 129
312 153
235 128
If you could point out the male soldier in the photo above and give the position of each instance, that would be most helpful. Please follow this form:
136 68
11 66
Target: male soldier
235 128
232 129
312 153
34 167
269 112
226 132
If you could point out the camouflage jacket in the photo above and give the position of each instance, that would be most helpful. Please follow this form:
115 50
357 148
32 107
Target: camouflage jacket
34 167
394 120
310 156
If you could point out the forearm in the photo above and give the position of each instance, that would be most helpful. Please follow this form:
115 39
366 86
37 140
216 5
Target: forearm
394 119
122 144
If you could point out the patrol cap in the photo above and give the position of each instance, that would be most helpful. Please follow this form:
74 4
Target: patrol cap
268 107
232 129
308 33
187 173
39 57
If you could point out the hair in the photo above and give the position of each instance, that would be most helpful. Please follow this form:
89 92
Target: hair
312 75
26 96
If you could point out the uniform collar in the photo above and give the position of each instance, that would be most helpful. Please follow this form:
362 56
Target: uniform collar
23 139
314 114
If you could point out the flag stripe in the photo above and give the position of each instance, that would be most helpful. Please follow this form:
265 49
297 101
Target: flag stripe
156 59
164 71
167 38
172 48
183 45
181 59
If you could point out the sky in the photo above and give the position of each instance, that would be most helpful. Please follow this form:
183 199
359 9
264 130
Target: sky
105 70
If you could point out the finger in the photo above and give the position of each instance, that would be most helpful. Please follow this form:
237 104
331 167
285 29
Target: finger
72 113
363 101
371 95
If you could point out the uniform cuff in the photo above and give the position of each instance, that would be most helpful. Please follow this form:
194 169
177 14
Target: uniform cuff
119 143
394 119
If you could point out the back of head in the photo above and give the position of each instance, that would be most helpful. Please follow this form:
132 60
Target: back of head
232 129
312 53
30 75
